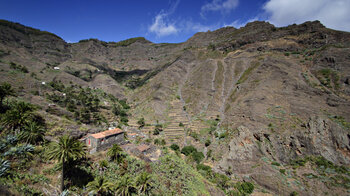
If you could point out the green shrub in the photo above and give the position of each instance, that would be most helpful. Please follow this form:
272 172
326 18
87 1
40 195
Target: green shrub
245 187
294 193
194 135
156 141
298 162
175 147
187 150
275 163
203 167
158 129
207 142
283 171
197 156
162 142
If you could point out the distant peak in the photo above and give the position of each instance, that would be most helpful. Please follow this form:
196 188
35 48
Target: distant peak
259 24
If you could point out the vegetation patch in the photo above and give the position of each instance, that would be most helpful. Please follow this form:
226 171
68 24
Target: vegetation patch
18 67
329 78
248 71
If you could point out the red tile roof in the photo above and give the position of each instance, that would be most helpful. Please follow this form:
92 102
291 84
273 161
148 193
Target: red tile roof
107 133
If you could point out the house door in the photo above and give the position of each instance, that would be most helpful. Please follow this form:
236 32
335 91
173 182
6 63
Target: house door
89 142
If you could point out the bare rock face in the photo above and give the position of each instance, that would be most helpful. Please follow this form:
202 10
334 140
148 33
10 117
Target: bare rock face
243 153
322 137
326 138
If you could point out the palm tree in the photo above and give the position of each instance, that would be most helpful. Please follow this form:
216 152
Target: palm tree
116 153
19 115
143 182
66 149
33 133
125 186
100 186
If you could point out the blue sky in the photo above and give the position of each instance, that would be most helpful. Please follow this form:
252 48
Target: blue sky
165 20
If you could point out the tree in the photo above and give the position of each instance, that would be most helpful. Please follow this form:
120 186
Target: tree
64 150
141 122
5 90
33 133
116 153
125 186
143 182
100 186
20 113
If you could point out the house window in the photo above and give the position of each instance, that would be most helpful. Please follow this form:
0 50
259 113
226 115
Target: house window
103 141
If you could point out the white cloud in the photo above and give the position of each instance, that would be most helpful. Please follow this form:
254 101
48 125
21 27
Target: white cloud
161 27
332 13
238 23
219 5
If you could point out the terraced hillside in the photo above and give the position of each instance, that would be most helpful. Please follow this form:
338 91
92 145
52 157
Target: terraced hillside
264 104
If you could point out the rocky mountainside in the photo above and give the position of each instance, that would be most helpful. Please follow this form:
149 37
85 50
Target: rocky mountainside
267 99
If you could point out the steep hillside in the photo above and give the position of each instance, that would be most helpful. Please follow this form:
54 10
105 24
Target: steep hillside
264 104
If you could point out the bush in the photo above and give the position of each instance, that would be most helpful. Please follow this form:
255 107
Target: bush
283 171
194 135
141 122
275 163
298 162
187 150
124 120
175 147
158 129
197 156
162 142
157 141
294 193
245 187
203 167
207 143
155 132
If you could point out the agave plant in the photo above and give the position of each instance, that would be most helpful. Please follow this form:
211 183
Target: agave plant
4 167
11 139
23 150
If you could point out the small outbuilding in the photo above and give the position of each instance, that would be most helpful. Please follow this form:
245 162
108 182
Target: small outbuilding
103 140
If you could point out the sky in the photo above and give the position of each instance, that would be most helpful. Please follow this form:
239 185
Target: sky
171 21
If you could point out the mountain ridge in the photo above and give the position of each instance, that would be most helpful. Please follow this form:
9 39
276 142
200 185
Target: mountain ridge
259 94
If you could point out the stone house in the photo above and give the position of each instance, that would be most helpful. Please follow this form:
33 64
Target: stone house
103 140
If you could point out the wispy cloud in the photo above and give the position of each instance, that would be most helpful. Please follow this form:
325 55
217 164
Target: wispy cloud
240 23
161 25
332 13
224 6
